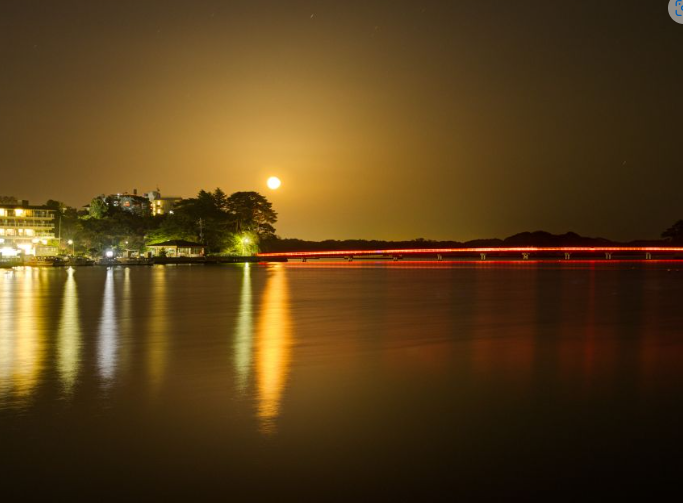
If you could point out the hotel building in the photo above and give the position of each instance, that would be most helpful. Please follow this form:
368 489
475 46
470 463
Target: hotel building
128 202
25 229
162 205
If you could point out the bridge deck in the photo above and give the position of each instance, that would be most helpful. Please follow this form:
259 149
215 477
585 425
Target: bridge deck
524 252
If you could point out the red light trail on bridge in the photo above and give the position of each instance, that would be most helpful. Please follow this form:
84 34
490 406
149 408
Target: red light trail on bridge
525 252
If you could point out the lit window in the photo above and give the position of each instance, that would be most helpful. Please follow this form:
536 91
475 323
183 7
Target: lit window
2 232
18 212
30 232
21 232
3 212
11 232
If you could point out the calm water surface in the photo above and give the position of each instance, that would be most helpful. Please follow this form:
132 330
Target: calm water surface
315 382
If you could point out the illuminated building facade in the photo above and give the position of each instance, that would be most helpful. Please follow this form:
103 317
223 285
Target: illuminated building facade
162 205
150 203
25 229
128 202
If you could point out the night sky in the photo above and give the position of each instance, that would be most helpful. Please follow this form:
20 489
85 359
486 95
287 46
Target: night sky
392 120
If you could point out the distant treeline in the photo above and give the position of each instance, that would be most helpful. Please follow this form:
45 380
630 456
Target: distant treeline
538 238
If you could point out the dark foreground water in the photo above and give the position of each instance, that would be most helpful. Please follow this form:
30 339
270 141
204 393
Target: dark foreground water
310 382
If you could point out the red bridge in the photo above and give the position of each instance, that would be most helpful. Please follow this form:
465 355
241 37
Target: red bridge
514 253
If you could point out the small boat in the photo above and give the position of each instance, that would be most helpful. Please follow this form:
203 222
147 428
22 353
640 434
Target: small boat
109 261
80 261
44 261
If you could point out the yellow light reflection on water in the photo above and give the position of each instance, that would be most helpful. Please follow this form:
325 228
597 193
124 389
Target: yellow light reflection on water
28 337
108 331
69 335
244 332
158 328
125 325
7 314
273 348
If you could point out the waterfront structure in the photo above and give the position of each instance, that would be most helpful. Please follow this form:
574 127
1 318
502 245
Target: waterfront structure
26 230
161 205
177 248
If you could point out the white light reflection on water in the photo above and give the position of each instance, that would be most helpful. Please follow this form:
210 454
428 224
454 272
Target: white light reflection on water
273 348
69 335
244 332
108 331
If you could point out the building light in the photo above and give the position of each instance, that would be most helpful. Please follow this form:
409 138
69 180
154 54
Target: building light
28 249
2 240
9 252
18 212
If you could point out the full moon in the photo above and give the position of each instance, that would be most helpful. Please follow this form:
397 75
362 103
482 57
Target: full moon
274 183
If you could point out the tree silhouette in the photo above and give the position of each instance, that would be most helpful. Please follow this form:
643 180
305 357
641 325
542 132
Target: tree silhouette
98 208
674 233
251 212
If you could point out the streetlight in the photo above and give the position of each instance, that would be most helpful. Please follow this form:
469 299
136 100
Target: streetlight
245 245
70 242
